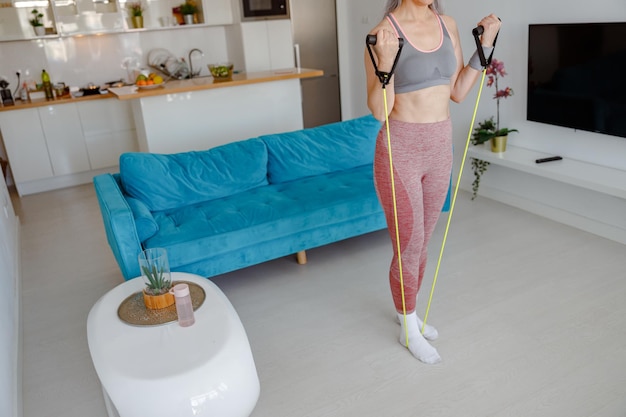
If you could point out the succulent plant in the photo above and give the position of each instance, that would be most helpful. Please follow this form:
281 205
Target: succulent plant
158 281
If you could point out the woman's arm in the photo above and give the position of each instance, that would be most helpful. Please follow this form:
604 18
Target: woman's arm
385 52
465 77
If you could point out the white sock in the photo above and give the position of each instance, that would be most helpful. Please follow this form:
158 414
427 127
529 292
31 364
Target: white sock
430 332
418 345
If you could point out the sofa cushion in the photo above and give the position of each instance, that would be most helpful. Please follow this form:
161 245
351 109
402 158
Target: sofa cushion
267 213
144 221
165 182
320 150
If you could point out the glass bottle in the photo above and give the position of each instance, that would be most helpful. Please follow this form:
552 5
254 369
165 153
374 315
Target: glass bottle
47 85
24 92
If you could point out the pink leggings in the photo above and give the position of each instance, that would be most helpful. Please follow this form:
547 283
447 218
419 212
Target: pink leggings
422 161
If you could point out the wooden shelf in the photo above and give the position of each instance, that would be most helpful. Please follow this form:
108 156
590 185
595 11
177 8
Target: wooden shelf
598 178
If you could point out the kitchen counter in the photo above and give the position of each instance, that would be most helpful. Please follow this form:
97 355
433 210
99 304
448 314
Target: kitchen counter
175 86
200 113
207 83
64 142
42 102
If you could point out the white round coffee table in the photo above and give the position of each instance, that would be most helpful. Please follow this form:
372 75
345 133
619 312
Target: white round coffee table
206 369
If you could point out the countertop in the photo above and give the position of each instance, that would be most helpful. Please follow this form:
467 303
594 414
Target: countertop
20 105
176 86
206 83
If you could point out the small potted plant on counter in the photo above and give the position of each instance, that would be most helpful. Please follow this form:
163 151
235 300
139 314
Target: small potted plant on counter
189 9
36 22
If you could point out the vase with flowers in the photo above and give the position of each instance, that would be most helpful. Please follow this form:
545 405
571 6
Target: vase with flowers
136 14
488 130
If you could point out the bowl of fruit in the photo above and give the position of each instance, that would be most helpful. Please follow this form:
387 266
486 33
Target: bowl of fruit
222 71
150 81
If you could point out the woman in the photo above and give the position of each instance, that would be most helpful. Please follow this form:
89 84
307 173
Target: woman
429 73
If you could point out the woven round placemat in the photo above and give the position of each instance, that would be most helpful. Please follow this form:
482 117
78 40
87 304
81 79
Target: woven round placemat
133 311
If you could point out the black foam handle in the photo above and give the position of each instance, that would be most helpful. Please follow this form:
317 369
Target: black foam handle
371 40
478 30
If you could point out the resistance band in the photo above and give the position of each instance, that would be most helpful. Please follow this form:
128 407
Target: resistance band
484 62
384 78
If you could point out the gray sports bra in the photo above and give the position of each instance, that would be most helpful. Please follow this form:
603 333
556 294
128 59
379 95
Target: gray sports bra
417 69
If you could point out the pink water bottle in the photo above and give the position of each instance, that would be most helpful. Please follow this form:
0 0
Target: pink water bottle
184 308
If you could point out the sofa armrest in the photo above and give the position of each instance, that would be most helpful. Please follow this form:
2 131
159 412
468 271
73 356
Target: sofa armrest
119 225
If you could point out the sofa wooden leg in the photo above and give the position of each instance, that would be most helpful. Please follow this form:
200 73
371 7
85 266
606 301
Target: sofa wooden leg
301 257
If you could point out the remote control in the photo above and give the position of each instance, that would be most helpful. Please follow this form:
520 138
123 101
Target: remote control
552 158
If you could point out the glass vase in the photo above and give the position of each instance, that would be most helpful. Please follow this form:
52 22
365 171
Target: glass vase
157 279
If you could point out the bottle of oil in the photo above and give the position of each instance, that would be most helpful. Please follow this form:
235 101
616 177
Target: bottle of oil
47 85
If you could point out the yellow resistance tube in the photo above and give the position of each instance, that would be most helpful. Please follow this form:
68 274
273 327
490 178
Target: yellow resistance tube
395 215
456 190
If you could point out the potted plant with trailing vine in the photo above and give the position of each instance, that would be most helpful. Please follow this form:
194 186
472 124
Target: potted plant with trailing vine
488 130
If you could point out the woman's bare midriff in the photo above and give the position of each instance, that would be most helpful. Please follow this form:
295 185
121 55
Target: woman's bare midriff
429 105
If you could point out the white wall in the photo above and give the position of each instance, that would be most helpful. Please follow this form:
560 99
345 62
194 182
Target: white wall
588 210
357 17
513 51
10 339
98 59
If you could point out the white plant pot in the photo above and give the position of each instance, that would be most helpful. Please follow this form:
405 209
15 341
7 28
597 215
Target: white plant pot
39 30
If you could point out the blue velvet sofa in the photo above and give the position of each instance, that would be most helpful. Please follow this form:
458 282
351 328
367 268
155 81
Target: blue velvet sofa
245 202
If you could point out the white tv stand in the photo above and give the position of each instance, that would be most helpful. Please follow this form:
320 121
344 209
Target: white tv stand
581 194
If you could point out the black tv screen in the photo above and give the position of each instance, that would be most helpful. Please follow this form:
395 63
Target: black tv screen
577 76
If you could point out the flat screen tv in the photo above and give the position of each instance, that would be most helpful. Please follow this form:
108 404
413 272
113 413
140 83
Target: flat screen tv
577 76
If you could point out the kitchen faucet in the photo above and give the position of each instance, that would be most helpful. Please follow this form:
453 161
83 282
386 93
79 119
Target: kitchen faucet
191 73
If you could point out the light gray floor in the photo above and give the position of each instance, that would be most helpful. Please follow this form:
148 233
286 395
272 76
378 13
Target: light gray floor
531 316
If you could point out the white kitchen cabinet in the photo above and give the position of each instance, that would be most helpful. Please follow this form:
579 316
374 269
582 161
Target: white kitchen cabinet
255 46
25 144
267 45
65 139
158 13
9 251
88 16
105 149
81 17
218 12
15 21
66 144
280 42
109 130
202 119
